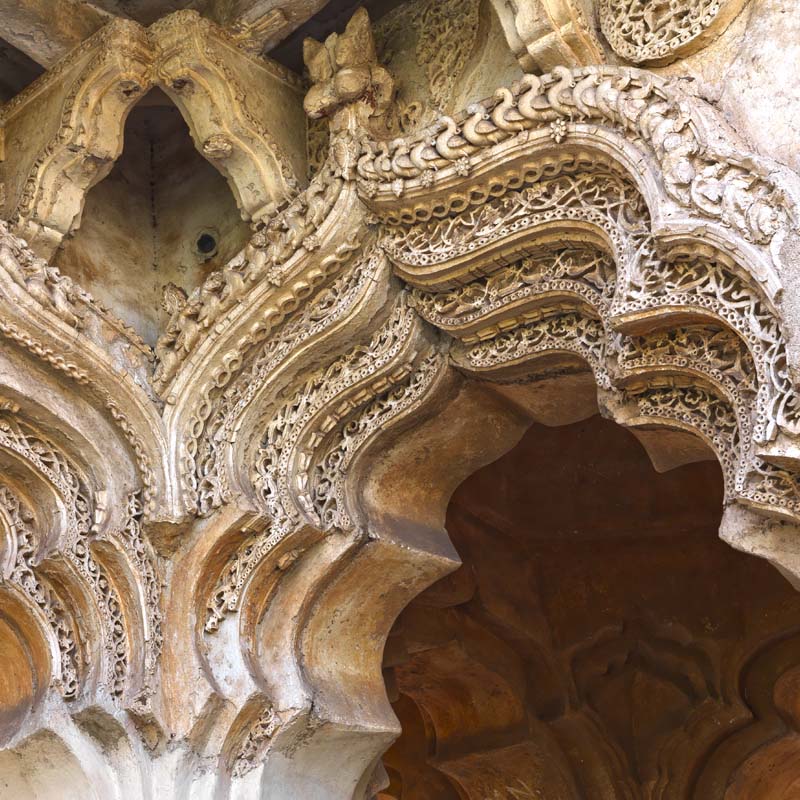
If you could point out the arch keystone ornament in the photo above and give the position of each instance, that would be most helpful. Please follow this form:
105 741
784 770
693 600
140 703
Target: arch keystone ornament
205 544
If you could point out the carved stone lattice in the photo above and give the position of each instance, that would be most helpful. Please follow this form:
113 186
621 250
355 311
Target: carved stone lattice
205 543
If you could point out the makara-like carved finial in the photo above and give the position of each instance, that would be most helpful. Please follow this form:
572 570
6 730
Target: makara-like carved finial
345 70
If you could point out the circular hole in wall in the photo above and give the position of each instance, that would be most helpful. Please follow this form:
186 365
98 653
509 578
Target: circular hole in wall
206 244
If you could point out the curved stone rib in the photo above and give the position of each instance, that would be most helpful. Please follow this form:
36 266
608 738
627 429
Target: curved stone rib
286 260
603 211
223 418
67 669
46 461
662 136
61 326
281 472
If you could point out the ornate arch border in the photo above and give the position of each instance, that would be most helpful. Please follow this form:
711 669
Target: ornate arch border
667 281
594 217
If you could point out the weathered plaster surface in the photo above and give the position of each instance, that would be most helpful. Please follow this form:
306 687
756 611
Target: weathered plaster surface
235 402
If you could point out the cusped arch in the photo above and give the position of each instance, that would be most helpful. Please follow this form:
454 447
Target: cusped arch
581 241
81 563
701 249
216 86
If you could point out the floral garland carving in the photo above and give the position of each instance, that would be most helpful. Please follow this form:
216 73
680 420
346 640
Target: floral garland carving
284 474
47 461
646 281
326 493
223 405
584 271
723 412
600 198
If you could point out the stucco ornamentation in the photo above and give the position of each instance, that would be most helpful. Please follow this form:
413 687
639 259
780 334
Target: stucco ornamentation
205 543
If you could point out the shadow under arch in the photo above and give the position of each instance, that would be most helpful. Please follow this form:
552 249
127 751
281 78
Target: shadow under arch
409 486
163 216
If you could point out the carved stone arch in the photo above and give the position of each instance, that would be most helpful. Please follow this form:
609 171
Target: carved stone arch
343 466
216 86
89 570
407 478
75 503
54 586
304 253
52 611
275 562
698 200
60 156
218 89
59 337
358 474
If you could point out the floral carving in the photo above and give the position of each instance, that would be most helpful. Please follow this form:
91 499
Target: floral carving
204 458
47 461
653 33
24 574
258 737
384 368
447 35
263 258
